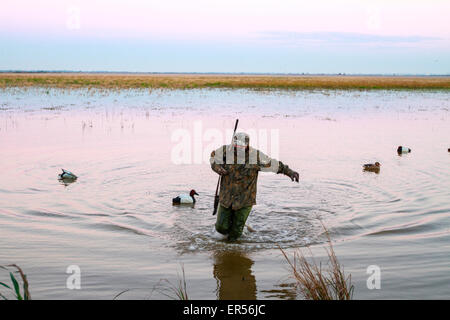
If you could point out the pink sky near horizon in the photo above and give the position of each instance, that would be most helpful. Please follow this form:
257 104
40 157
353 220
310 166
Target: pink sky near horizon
230 19
321 36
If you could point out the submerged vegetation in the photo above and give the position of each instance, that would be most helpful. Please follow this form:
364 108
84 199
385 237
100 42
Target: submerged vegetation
15 287
315 283
193 81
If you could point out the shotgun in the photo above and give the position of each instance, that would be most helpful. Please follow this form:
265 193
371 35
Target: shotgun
216 198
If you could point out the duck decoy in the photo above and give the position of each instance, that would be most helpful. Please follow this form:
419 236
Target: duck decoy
373 167
67 176
401 150
185 198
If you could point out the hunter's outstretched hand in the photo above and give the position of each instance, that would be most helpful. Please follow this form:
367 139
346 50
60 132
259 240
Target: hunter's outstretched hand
294 176
221 171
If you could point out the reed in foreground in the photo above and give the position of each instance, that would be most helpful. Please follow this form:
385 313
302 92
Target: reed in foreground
15 289
316 283
176 291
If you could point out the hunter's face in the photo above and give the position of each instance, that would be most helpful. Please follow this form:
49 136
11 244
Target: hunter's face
238 146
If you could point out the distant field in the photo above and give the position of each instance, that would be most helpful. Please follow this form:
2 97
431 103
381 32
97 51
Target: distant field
183 81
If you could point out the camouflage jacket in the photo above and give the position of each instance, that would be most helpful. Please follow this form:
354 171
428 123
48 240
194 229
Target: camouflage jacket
238 187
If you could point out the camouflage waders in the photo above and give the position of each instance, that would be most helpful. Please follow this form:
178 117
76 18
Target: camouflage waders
232 222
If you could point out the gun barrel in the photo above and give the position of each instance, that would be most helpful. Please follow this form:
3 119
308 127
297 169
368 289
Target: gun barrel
216 198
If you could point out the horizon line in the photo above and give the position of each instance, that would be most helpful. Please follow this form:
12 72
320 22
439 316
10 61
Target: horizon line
231 73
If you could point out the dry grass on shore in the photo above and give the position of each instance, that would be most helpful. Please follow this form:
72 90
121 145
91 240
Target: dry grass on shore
191 81
317 283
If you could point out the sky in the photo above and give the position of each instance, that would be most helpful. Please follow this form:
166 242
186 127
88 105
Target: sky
263 36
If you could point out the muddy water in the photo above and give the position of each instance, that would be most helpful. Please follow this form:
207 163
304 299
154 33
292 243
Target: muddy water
116 222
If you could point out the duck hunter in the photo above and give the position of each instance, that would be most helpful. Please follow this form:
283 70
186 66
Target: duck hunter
238 166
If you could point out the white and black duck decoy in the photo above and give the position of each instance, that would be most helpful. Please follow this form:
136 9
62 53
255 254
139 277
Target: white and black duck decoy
401 150
373 167
185 198
67 176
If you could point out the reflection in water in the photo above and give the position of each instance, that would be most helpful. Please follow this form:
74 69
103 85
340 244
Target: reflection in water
66 183
286 291
235 281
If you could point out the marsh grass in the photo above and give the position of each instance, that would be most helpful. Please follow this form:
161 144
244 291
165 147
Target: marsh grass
168 289
15 288
317 283
191 81
177 291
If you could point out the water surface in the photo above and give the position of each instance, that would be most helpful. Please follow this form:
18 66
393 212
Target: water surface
117 222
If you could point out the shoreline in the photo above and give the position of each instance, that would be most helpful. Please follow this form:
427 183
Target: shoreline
207 81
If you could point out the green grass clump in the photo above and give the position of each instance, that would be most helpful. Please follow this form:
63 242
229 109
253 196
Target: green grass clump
15 288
